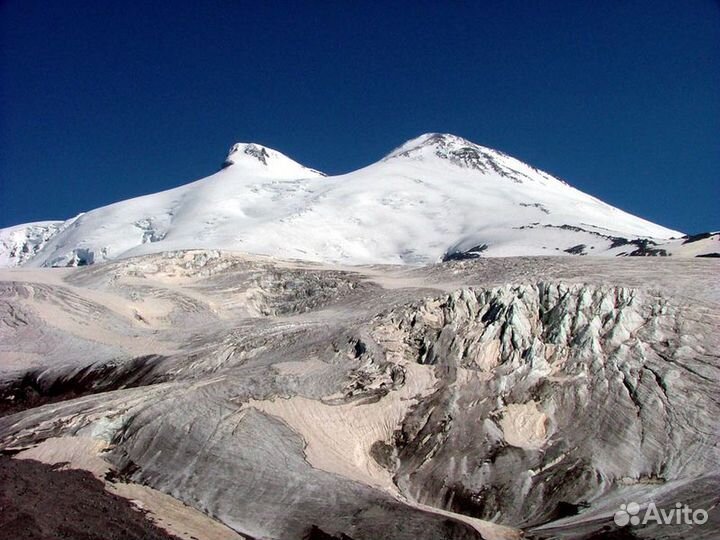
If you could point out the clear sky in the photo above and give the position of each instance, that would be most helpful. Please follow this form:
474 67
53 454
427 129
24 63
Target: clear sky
105 100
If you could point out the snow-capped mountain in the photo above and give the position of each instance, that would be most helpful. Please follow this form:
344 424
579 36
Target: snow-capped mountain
436 197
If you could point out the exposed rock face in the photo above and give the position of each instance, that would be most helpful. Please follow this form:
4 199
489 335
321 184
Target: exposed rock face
472 399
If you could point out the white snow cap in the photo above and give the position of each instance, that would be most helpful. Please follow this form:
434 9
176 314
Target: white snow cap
448 150
434 141
263 161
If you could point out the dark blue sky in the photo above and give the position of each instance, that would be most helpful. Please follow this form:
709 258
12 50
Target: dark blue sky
105 100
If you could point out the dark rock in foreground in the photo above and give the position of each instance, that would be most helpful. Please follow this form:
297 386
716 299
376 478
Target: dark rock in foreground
38 502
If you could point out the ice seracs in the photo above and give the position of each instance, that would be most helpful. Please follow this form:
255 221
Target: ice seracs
21 243
434 198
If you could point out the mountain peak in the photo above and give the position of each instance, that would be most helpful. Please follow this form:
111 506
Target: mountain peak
256 151
453 148
464 154
442 140
260 160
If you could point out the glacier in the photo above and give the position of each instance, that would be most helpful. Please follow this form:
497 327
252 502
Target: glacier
496 398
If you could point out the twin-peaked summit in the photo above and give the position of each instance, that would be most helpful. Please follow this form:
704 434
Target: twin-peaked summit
436 197
256 159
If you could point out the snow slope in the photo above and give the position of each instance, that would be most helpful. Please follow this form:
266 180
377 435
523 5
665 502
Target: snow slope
436 197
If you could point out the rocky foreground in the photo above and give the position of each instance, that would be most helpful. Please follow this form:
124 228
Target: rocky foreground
245 397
